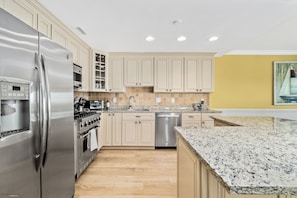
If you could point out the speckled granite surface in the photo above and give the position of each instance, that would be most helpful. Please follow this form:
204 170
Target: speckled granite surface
259 157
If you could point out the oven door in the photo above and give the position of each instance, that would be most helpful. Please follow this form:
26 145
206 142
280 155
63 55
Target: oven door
87 148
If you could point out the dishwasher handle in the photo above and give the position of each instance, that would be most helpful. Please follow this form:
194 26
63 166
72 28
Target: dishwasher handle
168 116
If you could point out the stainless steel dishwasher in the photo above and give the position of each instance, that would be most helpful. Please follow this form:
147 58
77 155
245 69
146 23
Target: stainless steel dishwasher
165 134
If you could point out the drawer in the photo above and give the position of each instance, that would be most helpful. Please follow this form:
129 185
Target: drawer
138 116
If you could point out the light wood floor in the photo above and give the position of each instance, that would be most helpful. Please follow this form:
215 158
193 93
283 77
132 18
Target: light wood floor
130 174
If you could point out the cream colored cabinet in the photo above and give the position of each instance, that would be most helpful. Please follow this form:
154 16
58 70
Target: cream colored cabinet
100 135
84 61
198 120
116 74
112 129
74 47
59 36
22 10
2 3
199 74
44 25
138 71
169 74
186 172
99 71
138 129
196 180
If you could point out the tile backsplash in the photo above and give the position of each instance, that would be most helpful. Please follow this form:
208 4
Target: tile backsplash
146 97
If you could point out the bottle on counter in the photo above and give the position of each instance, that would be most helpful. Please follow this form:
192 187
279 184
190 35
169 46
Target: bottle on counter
107 105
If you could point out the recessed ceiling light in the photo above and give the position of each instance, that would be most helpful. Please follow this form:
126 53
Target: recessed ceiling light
177 21
150 38
213 38
181 38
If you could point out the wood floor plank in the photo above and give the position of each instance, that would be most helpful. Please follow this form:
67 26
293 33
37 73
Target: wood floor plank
130 174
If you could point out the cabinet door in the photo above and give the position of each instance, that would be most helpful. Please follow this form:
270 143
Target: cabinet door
176 74
206 75
191 74
161 74
44 26
84 61
74 47
2 3
186 172
129 136
116 74
146 71
117 129
146 133
131 71
59 36
105 125
23 11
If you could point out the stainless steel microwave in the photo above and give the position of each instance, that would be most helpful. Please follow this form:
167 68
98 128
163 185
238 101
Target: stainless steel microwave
77 76
95 104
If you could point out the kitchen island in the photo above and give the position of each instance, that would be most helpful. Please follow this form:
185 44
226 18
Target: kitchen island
258 158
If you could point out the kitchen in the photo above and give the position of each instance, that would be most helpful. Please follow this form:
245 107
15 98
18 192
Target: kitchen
254 73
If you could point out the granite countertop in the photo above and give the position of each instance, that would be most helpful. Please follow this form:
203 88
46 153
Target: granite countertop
258 157
153 109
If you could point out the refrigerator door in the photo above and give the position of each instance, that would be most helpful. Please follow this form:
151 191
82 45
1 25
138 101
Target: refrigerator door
58 160
19 172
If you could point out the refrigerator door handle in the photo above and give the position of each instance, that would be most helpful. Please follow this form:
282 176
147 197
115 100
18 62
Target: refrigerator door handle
46 111
40 115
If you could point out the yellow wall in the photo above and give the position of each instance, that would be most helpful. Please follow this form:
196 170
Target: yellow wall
245 81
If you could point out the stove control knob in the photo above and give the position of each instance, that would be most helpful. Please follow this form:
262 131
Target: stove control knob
86 124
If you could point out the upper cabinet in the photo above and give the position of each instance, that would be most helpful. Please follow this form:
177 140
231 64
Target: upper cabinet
139 71
44 25
99 71
199 74
22 10
169 74
59 36
84 61
116 74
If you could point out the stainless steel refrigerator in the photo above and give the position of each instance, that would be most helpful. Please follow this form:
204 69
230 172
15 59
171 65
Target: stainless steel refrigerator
36 122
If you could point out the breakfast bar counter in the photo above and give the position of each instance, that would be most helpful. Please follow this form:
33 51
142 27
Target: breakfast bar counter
256 157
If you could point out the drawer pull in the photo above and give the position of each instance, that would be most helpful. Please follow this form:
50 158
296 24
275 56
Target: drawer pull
137 116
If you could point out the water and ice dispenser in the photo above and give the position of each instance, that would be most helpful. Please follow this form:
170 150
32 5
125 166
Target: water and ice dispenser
15 106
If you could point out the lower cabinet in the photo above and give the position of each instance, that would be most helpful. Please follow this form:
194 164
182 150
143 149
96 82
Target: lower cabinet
111 124
195 180
197 120
138 129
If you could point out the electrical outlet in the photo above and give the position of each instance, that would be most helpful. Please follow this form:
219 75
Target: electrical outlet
158 100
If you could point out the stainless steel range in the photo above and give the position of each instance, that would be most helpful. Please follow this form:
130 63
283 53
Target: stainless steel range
86 126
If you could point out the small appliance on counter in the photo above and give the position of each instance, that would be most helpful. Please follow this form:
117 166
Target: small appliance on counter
95 105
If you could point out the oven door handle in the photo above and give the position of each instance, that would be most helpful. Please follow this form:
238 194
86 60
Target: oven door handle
88 133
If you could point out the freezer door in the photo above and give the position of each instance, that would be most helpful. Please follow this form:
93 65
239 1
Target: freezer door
19 174
58 159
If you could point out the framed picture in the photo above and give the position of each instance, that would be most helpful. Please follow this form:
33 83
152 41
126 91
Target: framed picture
285 82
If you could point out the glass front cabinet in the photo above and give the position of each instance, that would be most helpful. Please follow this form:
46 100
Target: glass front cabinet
99 71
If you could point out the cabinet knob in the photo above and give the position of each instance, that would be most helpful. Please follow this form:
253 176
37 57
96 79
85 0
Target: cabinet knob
139 83
136 83
139 122
170 89
135 122
166 89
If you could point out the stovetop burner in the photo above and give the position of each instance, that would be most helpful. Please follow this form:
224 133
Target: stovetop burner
83 114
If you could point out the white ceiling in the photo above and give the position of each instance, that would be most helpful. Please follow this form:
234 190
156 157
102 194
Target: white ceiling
243 26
